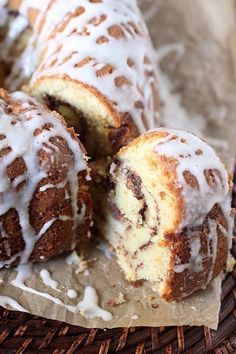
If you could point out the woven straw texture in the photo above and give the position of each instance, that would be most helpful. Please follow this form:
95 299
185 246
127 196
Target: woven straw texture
24 333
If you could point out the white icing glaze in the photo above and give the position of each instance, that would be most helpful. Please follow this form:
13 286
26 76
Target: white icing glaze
3 13
134 317
78 260
77 40
24 272
72 294
73 258
7 263
212 246
8 301
195 263
23 66
27 146
5 242
89 306
49 186
26 5
106 249
198 202
17 27
195 256
195 156
48 280
180 268
2 231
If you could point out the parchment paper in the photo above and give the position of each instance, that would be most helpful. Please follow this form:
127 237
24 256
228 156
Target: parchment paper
196 44
142 307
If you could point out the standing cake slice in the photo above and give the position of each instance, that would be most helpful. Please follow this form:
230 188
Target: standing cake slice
170 216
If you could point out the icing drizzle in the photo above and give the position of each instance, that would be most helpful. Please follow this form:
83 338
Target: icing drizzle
77 39
23 273
196 157
6 300
23 124
203 181
88 307
47 279
72 294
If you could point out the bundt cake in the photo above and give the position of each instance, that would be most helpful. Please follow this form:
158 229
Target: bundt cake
170 220
168 212
90 60
45 207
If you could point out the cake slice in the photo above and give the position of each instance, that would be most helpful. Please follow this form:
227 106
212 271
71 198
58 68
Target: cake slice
45 206
170 213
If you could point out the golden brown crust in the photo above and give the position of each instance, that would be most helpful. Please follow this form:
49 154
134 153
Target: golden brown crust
146 137
43 207
46 204
196 239
122 130
15 242
103 100
14 4
124 134
186 282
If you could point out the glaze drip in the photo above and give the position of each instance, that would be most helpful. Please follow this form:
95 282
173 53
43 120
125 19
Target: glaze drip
99 28
25 119
203 183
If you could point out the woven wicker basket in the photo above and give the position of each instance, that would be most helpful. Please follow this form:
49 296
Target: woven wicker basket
24 333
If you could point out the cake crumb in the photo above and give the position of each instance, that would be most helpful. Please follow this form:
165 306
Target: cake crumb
151 297
116 301
84 265
136 284
79 260
155 306
230 264
134 317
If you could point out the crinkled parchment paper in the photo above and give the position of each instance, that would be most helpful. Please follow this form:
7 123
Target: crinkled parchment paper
142 306
196 44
